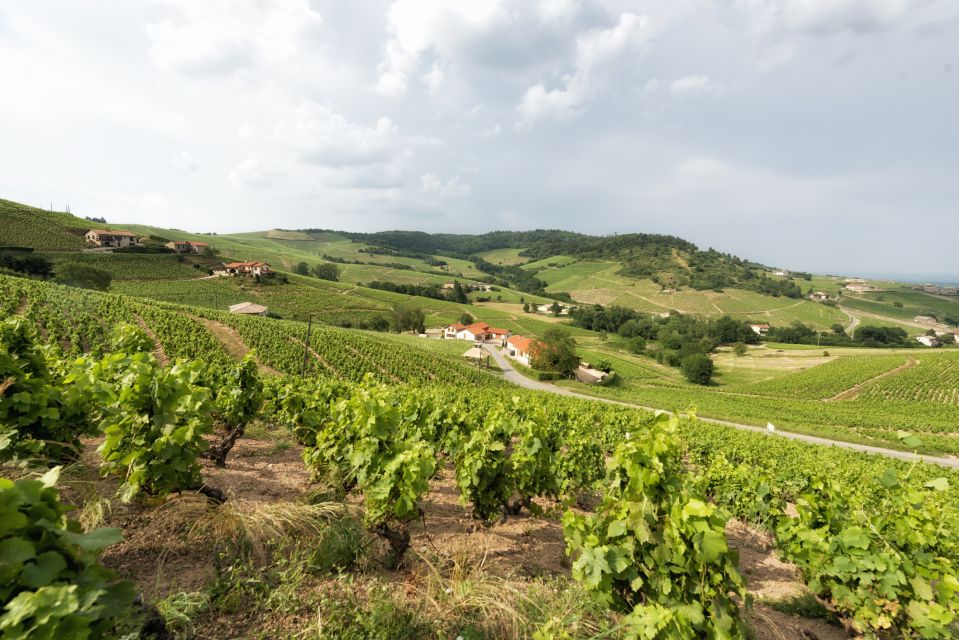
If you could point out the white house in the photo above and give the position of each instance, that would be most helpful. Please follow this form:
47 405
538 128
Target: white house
819 296
929 341
186 246
247 269
782 272
116 238
520 348
760 329
476 332
248 309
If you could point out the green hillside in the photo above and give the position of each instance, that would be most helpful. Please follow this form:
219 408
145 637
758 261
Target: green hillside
25 226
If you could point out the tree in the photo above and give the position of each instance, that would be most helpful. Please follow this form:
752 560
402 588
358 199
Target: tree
301 269
698 368
739 348
327 271
407 318
556 308
525 307
556 351
467 318
83 276
637 344
459 294
839 330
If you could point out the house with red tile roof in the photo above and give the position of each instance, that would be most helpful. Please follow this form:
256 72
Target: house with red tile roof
115 238
521 348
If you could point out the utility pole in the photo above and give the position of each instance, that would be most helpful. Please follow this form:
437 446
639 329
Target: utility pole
306 345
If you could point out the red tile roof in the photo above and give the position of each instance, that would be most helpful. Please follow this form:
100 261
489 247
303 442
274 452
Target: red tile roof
199 244
478 327
456 326
236 265
521 343
497 332
104 232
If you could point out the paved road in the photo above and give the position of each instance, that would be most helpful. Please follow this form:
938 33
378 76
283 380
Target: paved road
520 380
853 320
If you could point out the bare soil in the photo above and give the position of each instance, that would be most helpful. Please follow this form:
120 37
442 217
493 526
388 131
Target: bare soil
231 341
157 555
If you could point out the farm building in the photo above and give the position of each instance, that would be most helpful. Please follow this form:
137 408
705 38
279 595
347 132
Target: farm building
186 246
248 309
585 373
476 332
929 341
760 329
477 356
116 238
245 269
520 348
819 296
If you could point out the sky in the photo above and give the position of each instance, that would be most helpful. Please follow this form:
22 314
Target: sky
807 134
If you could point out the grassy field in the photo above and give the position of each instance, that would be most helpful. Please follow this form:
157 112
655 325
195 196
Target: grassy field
913 303
598 283
25 226
504 256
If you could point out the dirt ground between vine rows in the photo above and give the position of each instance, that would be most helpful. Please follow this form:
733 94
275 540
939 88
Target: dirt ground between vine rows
157 557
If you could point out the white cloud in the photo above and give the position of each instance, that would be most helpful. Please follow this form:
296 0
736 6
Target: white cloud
593 50
252 172
691 85
185 161
220 36
318 134
433 185
434 80
416 26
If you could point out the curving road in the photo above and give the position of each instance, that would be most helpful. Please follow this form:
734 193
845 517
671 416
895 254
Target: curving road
515 377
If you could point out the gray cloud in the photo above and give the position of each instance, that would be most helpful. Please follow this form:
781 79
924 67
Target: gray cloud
816 134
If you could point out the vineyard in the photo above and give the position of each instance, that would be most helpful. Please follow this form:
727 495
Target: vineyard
25 226
935 379
827 380
148 403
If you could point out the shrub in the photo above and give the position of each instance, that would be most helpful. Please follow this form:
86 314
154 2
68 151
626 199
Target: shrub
52 585
698 368
83 276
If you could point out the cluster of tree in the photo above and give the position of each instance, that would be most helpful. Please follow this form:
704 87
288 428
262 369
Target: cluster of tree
408 318
672 340
555 351
517 278
864 336
99 220
26 264
456 294
321 270
84 276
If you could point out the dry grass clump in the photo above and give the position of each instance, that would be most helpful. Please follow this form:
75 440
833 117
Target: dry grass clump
456 588
251 526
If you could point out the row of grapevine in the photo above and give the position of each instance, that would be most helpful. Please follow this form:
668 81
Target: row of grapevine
826 380
935 379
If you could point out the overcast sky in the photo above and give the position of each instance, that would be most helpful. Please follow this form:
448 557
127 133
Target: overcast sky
809 134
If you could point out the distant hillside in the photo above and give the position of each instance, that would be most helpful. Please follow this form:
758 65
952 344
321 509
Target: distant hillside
666 260
25 226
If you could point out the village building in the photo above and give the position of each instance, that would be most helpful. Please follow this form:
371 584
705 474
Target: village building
760 329
245 269
521 348
477 356
819 296
585 373
187 246
116 239
249 309
949 291
783 273
476 332
929 341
